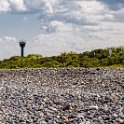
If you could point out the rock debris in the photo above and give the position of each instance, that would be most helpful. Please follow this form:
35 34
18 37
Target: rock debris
62 96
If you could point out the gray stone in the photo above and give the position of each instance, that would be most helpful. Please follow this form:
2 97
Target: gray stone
63 95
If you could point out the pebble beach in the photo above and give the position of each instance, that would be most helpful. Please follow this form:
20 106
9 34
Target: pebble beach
62 96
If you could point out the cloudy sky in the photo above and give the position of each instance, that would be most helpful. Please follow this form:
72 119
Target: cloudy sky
51 27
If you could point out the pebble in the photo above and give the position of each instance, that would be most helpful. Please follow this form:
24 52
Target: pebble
62 96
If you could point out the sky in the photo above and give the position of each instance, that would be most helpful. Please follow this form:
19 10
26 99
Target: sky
51 27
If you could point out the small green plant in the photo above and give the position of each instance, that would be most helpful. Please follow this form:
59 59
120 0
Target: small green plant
94 58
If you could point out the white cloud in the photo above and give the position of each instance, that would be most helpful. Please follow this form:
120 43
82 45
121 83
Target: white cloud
67 25
12 5
56 43
8 47
17 5
4 6
75 13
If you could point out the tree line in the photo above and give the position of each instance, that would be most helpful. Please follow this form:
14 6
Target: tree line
94 58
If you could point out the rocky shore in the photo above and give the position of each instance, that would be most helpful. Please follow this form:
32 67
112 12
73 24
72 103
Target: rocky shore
62 96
